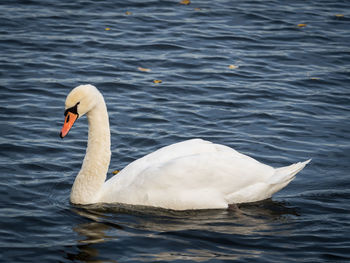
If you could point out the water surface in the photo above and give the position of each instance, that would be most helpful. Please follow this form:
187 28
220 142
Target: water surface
285 99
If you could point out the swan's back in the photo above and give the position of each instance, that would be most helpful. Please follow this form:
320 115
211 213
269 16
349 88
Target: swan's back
187 175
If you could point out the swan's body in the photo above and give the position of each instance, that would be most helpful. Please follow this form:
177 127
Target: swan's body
193 174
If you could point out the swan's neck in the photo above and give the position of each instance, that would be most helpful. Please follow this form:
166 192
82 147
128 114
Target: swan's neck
88 183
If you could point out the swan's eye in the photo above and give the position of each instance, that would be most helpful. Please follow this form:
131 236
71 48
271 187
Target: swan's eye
73 109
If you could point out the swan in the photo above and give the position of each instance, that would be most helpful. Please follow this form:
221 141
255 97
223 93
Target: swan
193 174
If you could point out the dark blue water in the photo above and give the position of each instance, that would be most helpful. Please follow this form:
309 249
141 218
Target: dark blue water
286 99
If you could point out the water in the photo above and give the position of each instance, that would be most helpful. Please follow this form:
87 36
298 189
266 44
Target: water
286 99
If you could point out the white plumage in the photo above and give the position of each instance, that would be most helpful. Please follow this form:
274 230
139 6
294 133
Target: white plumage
193 174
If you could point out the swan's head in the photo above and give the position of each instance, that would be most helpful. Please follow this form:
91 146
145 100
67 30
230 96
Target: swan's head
78 102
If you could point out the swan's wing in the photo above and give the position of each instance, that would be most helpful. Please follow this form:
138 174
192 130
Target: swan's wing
223 170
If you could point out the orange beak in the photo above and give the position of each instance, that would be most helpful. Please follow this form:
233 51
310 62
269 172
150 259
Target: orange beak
68 123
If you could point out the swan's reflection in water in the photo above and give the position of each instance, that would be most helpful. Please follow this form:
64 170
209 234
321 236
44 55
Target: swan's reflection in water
120 232
90 233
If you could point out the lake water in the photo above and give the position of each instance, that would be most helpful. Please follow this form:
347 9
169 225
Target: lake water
286 98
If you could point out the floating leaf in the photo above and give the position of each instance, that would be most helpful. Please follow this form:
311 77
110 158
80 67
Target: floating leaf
339 15
115 171
315 78
232 66
301 25
128 13
144 69
185 2
157 81
107 28
197 9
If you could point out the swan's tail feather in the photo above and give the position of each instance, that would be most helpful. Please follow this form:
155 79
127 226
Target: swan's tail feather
287 173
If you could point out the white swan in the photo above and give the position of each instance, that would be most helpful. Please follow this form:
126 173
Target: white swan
193 174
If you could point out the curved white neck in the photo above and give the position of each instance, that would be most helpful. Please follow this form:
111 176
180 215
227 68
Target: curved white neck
92 175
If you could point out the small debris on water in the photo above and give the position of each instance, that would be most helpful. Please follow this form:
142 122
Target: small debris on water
232 66
144 69
185 2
